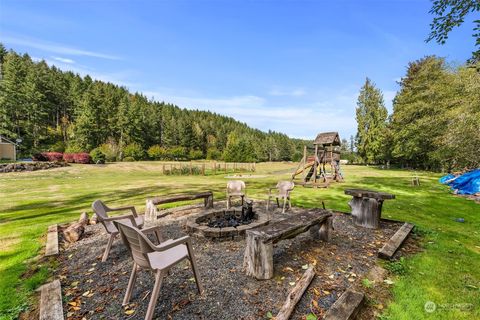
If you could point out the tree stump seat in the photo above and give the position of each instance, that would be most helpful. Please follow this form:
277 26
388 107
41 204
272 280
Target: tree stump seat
367 206
258 256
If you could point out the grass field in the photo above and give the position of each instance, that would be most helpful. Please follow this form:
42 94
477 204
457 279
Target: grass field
446 272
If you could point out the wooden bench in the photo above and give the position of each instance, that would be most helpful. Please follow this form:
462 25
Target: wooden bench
367 206
151 205
258 256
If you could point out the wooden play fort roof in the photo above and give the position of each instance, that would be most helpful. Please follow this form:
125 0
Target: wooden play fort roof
327 138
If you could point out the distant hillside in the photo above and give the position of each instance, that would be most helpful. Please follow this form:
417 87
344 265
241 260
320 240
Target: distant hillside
53 110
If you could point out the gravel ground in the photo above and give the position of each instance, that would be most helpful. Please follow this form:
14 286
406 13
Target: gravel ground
94 290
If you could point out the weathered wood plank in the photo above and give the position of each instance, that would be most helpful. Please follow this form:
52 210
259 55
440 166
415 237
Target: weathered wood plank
291 227
180 197
295 295
392 245
52 241
51 301
346 307
369 194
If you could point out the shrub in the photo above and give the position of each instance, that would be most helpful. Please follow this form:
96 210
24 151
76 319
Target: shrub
177 153
183 170
82 157
110 150
72 148
156 152
53 156
39 157
58 147
97 156
133 150
195 154
68 157
213 154
128 159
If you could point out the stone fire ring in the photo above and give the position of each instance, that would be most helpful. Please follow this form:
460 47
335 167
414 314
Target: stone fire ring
195 226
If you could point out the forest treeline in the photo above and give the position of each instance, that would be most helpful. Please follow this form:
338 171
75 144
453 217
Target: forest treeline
435 122
54 110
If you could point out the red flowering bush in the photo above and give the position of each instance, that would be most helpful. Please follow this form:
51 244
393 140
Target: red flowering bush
53 156
69 157
82 157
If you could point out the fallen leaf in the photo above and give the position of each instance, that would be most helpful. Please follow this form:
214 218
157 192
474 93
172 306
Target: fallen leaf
287 269
291 283
129 312
305 267
317 293
388 281
326 292
74 284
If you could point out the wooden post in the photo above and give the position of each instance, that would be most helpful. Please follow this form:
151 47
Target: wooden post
191 172
203 169
258 256
214 168
315 165
295 295
163 169
225 167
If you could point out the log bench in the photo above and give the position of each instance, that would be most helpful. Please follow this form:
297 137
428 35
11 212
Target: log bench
258 256
151 205
367 206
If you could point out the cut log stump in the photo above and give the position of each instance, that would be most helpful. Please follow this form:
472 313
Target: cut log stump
75 231
295 295
51 301
392 245
258 257
346 307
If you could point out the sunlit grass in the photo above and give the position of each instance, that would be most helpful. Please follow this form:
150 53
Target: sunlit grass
446 272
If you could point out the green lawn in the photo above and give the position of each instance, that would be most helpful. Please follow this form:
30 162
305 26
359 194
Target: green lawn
447 272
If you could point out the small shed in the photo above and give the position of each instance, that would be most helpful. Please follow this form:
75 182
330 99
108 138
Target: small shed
8 149
327 139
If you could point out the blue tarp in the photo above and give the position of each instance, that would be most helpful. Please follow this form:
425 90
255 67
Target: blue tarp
444 179
467 183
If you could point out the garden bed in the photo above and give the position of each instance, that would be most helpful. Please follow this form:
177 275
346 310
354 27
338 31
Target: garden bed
95 290
30 166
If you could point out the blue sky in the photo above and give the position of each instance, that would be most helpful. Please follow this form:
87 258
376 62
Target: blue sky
290 66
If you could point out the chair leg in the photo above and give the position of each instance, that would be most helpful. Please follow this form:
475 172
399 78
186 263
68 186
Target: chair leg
228 202
158 234
193 262
284 203
268 202
154 297
109 246
289 203
278 203
131 282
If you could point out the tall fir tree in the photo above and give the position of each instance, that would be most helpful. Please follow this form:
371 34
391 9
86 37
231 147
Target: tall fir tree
371 116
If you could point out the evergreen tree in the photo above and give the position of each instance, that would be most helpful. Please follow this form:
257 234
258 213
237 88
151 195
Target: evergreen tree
371 116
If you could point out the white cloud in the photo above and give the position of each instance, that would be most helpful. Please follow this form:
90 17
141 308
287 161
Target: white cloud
56 48
64 60
305 121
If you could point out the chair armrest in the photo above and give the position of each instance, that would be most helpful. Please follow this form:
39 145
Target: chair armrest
122 217
150 229
174 243
131 208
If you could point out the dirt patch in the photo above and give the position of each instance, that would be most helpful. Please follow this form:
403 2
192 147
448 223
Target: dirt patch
95 290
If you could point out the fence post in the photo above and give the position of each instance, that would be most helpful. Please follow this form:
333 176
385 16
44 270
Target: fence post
191 172
203 169
225 167
163 169
254 167
214 167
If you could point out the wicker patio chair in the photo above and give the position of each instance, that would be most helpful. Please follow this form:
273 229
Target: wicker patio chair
283 192
235 188
157 258
102 210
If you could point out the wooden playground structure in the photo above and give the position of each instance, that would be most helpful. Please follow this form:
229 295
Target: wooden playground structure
322 166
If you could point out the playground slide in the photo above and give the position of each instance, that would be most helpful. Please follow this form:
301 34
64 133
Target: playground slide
308 165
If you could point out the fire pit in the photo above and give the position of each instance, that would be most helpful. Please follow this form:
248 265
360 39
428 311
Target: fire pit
231 223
